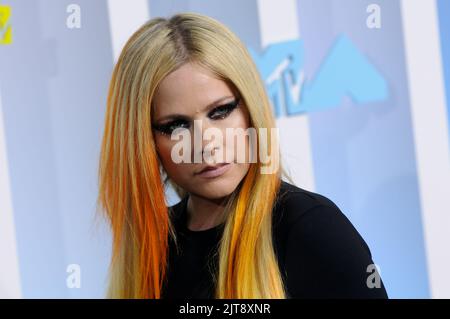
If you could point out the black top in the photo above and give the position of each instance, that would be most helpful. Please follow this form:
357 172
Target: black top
319 252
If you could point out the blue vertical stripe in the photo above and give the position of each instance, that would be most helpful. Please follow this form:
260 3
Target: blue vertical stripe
444 26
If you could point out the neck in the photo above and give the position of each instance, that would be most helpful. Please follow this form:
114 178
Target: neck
204 213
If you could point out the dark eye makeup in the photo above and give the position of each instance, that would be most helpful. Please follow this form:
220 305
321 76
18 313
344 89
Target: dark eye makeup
218 113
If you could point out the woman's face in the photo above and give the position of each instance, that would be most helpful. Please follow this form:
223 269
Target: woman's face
192 93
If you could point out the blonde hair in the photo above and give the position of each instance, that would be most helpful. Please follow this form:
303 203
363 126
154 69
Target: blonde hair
131 189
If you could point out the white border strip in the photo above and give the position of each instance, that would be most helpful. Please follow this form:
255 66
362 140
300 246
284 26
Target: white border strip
429 119
278 21
9 262
125 17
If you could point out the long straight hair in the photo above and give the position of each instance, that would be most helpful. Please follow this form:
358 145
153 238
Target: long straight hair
131 187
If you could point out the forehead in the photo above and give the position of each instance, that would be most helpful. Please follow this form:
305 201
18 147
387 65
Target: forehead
188 90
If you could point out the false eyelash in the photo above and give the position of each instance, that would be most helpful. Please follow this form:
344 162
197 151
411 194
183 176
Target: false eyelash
165 128
228 108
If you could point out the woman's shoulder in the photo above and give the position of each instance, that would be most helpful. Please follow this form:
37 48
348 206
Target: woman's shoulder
320 249
313 217
293 203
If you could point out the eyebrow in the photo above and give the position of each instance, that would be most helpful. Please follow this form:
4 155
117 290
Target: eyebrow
207 108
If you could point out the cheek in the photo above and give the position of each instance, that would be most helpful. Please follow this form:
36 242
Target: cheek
241 146
178 172
238 119
164 148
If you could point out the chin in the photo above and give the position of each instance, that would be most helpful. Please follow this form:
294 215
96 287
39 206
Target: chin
214 189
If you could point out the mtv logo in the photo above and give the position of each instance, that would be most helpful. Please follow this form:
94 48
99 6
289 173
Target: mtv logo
5 27
344 72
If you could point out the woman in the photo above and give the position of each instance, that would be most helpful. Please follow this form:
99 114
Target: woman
239 230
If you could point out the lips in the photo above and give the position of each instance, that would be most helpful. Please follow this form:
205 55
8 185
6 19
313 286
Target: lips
212 171
211 167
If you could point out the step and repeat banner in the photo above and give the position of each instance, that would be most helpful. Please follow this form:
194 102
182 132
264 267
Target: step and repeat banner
360 90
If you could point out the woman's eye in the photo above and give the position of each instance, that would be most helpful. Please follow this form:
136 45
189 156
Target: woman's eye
218 113
223 111
171 126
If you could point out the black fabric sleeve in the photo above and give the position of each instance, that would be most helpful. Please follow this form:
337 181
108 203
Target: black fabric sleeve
326 257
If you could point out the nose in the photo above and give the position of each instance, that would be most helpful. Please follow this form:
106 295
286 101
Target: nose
208 140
